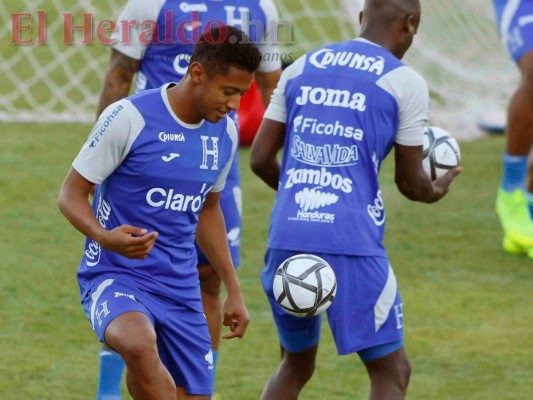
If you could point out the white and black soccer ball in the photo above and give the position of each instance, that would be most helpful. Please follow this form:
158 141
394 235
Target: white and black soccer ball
304 285
441 152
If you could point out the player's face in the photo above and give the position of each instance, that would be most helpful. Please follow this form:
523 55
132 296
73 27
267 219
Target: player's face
222 93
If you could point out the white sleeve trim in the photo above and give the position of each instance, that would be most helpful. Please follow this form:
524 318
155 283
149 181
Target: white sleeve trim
412 94
109 141
277 108
221 180
269 44
136 13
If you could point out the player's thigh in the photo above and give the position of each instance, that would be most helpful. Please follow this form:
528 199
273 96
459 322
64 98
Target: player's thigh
367 310
296 335
184 345
110 299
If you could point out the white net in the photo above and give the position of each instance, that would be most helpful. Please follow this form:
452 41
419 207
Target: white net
457 50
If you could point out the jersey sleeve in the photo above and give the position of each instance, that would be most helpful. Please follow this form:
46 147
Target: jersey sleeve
277 108
131 35
412 94
109 141
269 44
221 180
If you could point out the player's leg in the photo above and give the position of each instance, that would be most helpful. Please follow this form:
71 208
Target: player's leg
124 323
366 317
526 87
389 374
293 372
110 375
210 283
298 337
511 202
133 336
210 286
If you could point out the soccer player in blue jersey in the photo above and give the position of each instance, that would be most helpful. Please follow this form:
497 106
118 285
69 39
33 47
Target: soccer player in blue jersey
159 160
165 57
337 112
515 21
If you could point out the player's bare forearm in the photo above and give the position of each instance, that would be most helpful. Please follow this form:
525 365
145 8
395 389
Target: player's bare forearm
265 147
127 240
211 237
74 204
118 79
413 182
267 82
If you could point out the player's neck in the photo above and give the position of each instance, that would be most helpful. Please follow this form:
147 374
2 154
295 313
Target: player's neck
181 103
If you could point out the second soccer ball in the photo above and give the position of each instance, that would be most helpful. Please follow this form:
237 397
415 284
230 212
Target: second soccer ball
441 152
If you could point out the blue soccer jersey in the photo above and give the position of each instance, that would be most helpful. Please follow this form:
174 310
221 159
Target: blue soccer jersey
164 56
153 171
344 106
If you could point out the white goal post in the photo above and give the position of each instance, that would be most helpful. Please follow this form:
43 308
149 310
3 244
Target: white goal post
457 50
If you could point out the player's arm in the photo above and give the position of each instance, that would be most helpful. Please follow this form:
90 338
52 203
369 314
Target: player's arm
211 237
265 147
411 179
266 83
73 201
118 79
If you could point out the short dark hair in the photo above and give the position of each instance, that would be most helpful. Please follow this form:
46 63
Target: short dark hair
223 47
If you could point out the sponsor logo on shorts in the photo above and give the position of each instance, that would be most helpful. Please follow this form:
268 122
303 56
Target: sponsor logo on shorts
119 294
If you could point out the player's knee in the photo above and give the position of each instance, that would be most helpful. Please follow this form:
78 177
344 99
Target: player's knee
301 366
526 68
209 281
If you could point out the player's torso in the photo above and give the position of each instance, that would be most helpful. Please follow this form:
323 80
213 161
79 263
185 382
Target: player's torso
180 25
160 185
340 126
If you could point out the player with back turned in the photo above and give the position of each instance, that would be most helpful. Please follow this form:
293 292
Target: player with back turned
159 160
337 112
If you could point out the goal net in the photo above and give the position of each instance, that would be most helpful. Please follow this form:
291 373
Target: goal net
58 78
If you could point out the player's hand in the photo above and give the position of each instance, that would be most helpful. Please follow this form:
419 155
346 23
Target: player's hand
442 184
235 316
129 241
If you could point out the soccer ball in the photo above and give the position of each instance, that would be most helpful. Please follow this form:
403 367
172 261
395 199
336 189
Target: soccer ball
441 152
304 285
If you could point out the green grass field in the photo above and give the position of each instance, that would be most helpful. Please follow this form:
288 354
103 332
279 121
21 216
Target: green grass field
468 311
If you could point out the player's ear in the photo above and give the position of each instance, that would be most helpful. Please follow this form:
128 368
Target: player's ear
410 24
197 72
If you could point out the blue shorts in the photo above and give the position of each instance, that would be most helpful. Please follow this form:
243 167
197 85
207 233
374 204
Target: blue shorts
515 23
366 316
183 338
231 205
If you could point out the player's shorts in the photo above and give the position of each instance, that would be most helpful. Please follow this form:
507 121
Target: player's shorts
515 22
183 338
231 205
366 316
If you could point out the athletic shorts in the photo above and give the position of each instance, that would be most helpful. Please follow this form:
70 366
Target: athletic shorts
231 205
366 313
183 338
515 23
